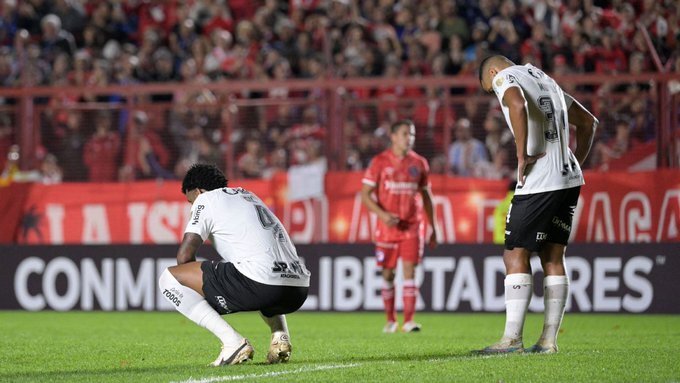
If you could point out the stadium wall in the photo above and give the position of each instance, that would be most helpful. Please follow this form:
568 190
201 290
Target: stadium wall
639 278
616 207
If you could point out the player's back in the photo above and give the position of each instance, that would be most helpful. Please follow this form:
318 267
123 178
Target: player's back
548 128
245 232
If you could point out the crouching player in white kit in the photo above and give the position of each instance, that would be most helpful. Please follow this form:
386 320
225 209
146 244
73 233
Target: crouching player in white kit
549 179
260 271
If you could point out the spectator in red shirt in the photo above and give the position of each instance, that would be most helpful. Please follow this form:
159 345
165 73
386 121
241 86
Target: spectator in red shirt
251 163
538 46
102 151
610 56
145 154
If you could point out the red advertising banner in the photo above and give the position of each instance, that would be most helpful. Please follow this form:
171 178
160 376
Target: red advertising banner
613 208
104 213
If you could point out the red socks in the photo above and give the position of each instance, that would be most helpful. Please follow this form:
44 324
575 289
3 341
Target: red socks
410 296
388 300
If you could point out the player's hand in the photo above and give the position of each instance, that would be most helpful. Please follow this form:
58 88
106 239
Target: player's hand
390 219
523 164
432 243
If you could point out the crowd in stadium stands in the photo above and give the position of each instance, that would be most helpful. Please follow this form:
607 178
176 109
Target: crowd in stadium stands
122 42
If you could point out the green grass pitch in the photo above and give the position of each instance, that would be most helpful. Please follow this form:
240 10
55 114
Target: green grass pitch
333 347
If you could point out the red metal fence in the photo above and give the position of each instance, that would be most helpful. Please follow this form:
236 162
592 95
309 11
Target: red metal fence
253 129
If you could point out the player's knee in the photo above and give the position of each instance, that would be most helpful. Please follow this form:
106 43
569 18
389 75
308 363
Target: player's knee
554 268
166 279
169 277
388 275
409 270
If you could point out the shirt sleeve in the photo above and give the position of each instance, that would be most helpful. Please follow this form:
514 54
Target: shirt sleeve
371 174
200 221
504 81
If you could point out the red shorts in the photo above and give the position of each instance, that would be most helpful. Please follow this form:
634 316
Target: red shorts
409 250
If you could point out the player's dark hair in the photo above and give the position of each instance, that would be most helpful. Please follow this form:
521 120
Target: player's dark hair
488 60
483 66
203 176
394 127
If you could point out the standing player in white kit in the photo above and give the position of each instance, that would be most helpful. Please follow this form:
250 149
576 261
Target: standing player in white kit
260 271
549 180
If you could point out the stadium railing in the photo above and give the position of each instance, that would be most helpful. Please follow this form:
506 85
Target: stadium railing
339 119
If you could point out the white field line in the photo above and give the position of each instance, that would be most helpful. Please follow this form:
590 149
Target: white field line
232 378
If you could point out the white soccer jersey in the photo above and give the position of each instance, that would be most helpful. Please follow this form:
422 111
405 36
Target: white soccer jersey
246 233
548 128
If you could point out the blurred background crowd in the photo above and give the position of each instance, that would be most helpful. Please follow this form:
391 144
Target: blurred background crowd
98 43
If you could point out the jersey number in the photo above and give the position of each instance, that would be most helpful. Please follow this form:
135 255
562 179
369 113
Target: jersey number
265 217
547 107
269 222
557 132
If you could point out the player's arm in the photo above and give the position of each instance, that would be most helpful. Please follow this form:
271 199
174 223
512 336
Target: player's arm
188 248
372 205
586 125
514 100
428 205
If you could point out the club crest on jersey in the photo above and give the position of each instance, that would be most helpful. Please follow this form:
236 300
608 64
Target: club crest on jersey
512 79
413 171
389 171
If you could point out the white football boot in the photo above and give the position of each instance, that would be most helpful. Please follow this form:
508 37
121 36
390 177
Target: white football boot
279 348
411 327
230 356
390 327
540 348
504 346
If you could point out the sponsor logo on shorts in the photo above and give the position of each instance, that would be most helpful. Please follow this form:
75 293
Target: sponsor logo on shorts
197 214
380 255
222 302
561 224
541 236
508 232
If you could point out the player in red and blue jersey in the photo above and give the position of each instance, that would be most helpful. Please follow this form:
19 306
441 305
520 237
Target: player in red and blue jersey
399 177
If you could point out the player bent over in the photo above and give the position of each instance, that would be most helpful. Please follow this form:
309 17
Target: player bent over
549 180
400 180
260 270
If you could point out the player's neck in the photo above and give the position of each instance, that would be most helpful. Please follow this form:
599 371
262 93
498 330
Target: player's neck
399 153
